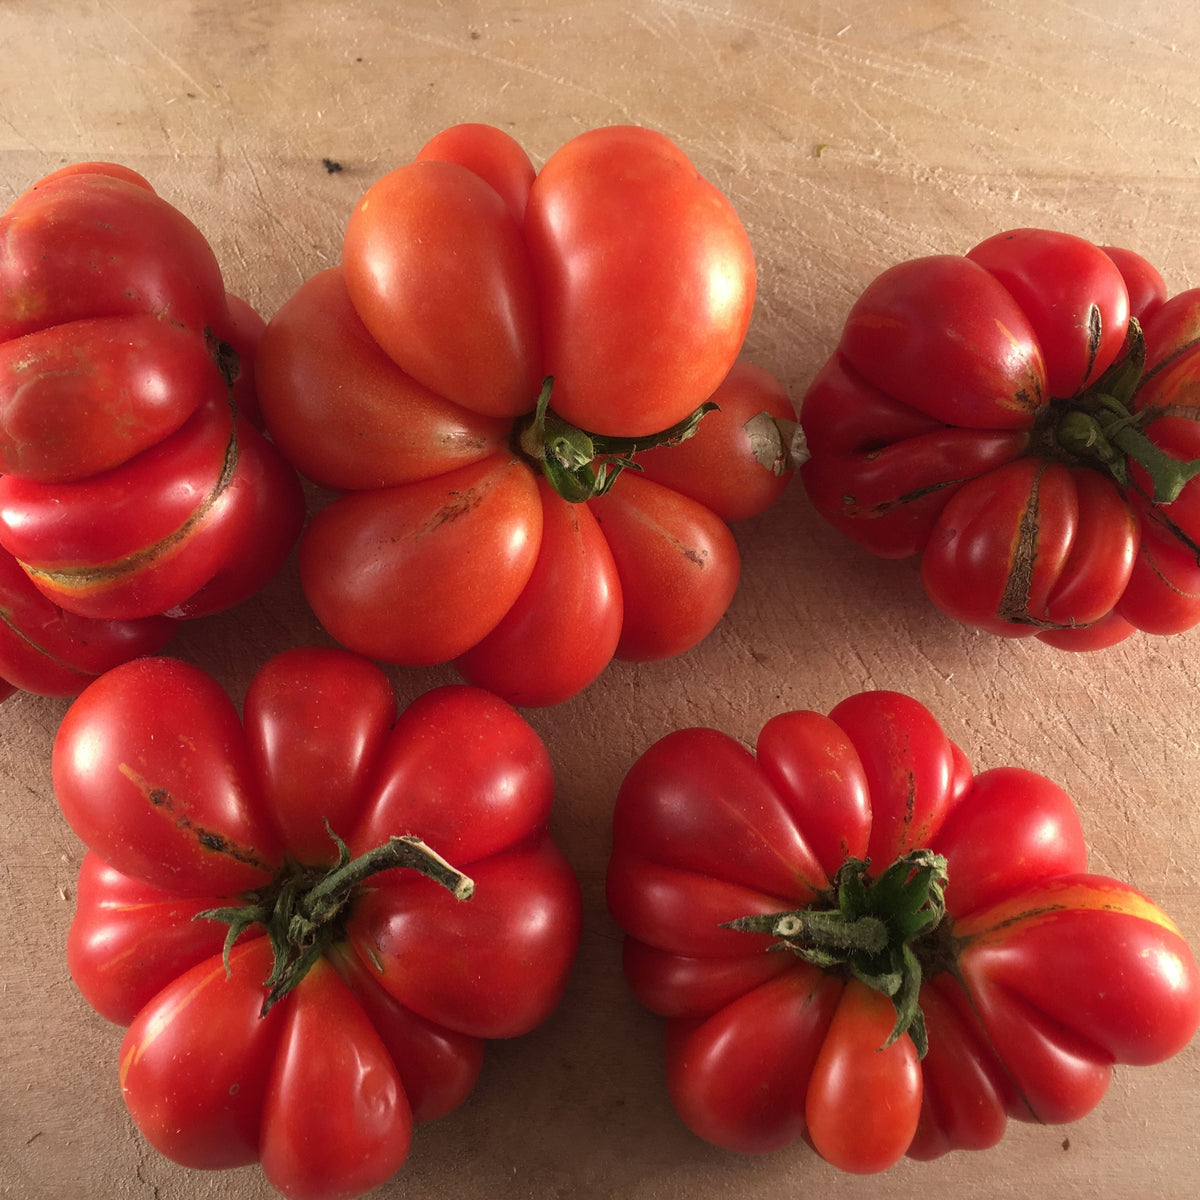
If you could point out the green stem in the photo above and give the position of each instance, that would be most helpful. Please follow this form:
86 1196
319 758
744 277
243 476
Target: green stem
303 911
1101 427
407 851
1168 475
821 932
877 930
581 465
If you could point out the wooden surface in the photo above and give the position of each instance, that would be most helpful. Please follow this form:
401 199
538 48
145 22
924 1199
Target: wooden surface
847 140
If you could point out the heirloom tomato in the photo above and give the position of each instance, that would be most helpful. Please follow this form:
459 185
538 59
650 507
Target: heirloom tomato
858 941
132 482
269 905
476 378
47 650
1024 418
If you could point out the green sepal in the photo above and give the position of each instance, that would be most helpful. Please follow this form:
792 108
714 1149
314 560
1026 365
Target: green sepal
869 931
239 918
303 910
580 465
1101 427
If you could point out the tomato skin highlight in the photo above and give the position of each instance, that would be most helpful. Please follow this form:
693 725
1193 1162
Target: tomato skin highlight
326 370
333 1089
372 559
850 1125
813 765
117 951
909 767
564 627
532 916
879 470
1134 1027
201 825
136 252
739 1079
491 154
421 239
261 505
1063 287
1014 828
173 813
625 194
747 884
965 1095
994 414
352 714
56 526
1144 284
564 321
907 321
719 465
196 1087
1001 545
677 562
498 760
438 1067
156 374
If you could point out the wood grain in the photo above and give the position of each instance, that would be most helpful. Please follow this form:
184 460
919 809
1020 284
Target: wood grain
848 140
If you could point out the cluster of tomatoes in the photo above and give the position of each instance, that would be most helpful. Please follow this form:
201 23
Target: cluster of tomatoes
520 406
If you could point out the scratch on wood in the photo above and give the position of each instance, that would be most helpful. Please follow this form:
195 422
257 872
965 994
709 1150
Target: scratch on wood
157 49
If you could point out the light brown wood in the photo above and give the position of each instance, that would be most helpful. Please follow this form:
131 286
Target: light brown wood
849 136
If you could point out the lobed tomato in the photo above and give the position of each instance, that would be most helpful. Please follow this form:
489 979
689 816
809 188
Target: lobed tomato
313 840
46 650
1021 418
476 379
133 482
857 941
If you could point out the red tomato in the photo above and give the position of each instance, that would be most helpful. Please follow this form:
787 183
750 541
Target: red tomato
411 379
857 941
361 976
1019 418
645 278
47 650
854 1067
131 485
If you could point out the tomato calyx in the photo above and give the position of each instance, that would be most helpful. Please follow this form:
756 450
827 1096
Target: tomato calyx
304 908
580 465
1099 427
878 930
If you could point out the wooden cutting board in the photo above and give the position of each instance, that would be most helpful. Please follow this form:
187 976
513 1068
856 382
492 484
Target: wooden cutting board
849 136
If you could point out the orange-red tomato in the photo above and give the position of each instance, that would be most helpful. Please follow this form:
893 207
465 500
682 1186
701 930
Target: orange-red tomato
408 379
